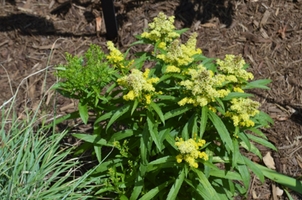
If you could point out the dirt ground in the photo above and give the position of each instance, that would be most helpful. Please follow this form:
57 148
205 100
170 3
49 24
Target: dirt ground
268 33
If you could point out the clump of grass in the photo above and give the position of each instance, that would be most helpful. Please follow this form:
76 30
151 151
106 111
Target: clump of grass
34 163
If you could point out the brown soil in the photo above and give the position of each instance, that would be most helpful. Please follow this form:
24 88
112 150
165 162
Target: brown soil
268 33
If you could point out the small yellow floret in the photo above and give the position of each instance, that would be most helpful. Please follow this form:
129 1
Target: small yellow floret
148 98
172 69
241 110
238 89
138 85
129 96
233 65
115 57
162 45
190 151
161 28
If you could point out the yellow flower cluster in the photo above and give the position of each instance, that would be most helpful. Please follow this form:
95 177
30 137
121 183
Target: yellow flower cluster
212 108
232 65
190 151
161 29
115 57
172 69
180 55
138 85
241 110
162 45
202 87
238 89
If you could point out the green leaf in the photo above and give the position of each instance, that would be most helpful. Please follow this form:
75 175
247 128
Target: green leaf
192 128
185 132
163 133
244 139
110 88
220 108
138 37
258 132
264 116
67 94
83 111
257 84
153 192
158 111
252 148
205 182
254 168
203 120
176 186
138 63
198 57
56 86
246 66
155 46
288 194
82 148
222 189
105 189
245 175
200 189
153 130
203 192
222 130
171 141
162 160
94 139
236 152
233 95
138 186
144 140
211 66
181 31
171 165
134 105
73 115
177 111
164 77
209 164
118 113
108 164
137 42
103 117
126 53
121 135
207 60
123 197
261 141
284 180
225 174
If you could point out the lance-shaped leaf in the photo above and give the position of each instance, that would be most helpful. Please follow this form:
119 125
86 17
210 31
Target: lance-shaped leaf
222 130
118 113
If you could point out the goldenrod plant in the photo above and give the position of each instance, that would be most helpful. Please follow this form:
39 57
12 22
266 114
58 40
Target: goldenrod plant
169 125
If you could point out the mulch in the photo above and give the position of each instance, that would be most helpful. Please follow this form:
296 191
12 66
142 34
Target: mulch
35 34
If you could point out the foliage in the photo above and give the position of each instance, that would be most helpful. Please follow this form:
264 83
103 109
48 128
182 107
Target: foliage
85 83
33 164
171 123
